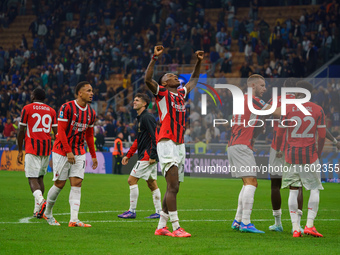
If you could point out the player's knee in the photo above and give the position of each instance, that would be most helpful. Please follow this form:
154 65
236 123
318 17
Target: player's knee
59 184
250 181
76 182
173 187
132 181
152 184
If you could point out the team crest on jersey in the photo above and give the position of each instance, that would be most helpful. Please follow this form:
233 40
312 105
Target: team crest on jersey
61 114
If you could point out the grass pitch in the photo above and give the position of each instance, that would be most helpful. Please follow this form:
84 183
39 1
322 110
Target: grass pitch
206 210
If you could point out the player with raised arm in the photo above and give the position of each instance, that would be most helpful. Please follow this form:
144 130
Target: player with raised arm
146 166
302 155
170 148
241 157
37 120
75 124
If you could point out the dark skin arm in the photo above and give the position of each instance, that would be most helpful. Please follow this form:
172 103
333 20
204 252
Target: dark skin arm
152 84
196 73
21 137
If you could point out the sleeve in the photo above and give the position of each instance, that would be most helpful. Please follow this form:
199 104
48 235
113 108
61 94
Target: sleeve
258 103
93 119
54 118
321 127
64 113
90 142
161 91
151 125
321 123
183 92
132 149
270 102
24 117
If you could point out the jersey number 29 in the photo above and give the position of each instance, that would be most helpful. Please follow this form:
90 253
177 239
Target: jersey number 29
46 121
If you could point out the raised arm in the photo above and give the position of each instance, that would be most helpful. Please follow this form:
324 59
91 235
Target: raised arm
196 73
152 84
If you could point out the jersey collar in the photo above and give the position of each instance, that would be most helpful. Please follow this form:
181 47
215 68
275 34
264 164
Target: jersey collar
81 108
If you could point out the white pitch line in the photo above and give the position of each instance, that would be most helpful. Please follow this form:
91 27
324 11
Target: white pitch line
150 221
183 210
25 220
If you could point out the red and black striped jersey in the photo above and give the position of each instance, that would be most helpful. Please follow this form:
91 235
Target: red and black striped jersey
38 118
276 124
171 109
78 120
241 131
301 138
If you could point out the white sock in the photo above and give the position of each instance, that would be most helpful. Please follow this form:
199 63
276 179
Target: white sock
163 220
134 192
293 207
38 196
174 220
156 197
277 215
238 216
299 212
36 205
52 196
74 199
313 206
247 203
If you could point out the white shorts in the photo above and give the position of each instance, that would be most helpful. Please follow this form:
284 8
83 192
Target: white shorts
302 174
143 170
62 169
169 154
35 166
275 164
242 161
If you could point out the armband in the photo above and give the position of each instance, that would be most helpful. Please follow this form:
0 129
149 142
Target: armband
154 57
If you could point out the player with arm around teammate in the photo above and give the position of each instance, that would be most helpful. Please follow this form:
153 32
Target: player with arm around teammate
302 158
275 167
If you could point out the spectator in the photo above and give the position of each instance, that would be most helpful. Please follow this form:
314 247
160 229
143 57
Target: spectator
226 64
231 14
221 37
9 130
245 70
212 135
